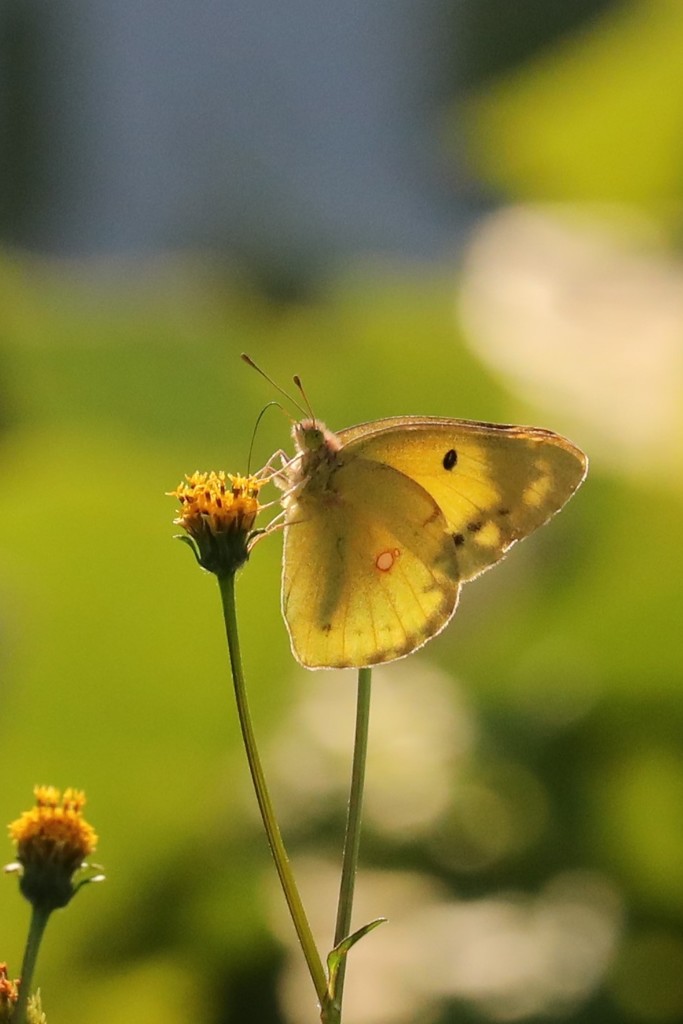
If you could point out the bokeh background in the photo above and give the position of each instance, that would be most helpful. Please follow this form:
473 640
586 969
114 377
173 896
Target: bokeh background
464 209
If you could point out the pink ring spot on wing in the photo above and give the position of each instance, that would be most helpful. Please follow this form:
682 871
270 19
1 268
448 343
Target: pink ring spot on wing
385 560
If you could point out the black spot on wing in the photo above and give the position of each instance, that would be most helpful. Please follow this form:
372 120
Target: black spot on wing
458 539
475 527
450 459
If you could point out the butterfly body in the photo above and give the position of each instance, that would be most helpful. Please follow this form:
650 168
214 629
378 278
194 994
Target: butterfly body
384 522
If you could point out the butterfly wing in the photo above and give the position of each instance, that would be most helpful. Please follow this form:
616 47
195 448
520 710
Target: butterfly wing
370 569
494 484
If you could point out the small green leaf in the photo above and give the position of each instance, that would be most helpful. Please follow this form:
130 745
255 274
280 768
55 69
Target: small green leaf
337 956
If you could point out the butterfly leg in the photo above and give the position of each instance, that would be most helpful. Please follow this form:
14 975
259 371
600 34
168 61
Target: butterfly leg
269 465
278 476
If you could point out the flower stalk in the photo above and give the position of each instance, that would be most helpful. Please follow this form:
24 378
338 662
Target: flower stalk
40 915
277 847
351 840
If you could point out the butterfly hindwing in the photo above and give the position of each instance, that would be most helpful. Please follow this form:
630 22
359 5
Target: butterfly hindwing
370 569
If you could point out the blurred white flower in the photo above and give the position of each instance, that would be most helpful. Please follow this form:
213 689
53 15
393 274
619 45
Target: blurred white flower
382 983
583 311
517 956
512 956
421 732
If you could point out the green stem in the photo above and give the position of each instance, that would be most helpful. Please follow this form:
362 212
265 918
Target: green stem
39 919
353 821
277 847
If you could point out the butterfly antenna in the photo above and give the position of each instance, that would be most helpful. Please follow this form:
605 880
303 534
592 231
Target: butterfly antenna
250 362
256 426
297 381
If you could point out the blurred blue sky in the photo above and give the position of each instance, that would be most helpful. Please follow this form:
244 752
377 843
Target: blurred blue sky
286 137
283 134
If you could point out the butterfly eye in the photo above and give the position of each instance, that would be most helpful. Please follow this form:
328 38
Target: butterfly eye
450 458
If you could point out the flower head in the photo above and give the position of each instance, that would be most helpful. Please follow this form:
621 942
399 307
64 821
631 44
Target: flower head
53 840
9 993
34 1010
217 512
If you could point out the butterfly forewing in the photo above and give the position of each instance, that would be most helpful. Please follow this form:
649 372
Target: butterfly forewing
370 570
494 484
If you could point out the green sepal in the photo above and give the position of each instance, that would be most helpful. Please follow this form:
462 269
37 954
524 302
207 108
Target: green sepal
98 877
191 545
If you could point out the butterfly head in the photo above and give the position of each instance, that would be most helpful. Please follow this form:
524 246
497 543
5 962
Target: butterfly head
313 436
316 454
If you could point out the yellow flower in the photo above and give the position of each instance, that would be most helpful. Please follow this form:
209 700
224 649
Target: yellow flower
218 511
53 840
9 993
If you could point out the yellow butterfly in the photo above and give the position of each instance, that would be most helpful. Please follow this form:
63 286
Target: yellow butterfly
384 521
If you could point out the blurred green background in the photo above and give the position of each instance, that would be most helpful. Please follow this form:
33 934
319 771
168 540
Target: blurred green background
524 821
